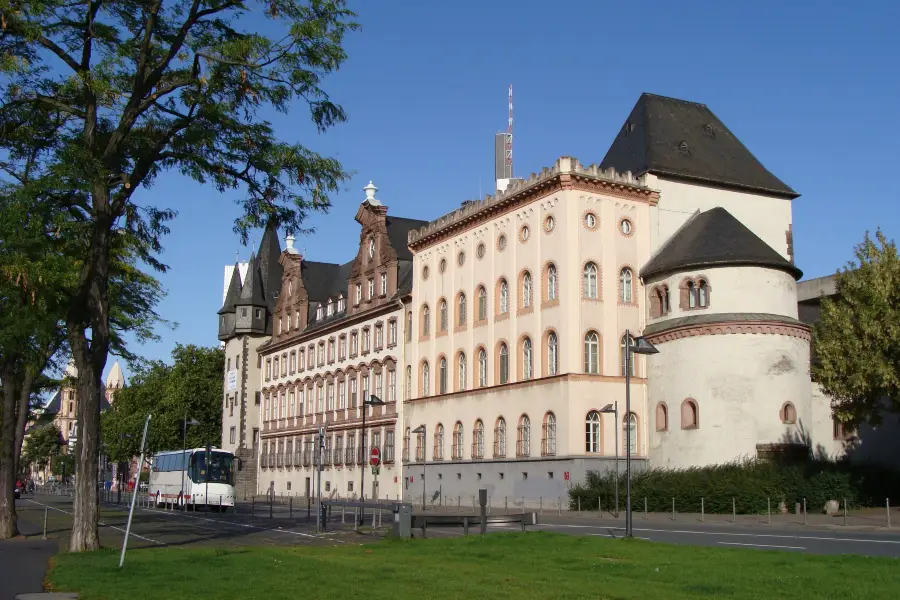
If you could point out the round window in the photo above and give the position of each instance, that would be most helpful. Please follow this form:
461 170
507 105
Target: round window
501 242
549 224
625 226
590 220
479 252
461 258
525 233
425 272
443 265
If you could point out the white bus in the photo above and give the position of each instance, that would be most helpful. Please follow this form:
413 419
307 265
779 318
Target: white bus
205 484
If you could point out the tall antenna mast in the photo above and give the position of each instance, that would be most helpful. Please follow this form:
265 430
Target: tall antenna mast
509 135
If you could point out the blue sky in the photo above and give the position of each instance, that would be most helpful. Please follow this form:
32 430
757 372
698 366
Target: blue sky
812 93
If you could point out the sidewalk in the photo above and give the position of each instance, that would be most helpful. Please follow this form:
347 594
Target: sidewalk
24 560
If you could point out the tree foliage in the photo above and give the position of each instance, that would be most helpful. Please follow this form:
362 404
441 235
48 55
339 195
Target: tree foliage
102 96
41 445
190 387
857 339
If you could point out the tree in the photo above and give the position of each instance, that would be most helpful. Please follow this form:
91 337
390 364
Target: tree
857 339
190 387
41 445
138 88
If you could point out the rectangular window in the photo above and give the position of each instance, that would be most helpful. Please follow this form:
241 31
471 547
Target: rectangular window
293 412
256 396
378 387
384 284
255 437
392 332
358 293
379 337
293 362
371 288
302 359
311 356
268 369
282 406
353 393
268 403
330 350
342 347
342 395
392 385
365 342
275 368
364 388
330 396
321 357
354 343
284 364
300 396
319 400
389 446
233 434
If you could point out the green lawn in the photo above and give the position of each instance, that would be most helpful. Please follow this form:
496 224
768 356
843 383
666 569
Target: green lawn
520 566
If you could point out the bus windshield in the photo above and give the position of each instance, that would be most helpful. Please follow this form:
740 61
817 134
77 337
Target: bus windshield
221 468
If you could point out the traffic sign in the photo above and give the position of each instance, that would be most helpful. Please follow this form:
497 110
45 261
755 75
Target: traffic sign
375 457
375 471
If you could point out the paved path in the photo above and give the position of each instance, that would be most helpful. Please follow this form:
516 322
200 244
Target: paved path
23 560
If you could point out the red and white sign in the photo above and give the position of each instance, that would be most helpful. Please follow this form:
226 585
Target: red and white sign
375 457
566 475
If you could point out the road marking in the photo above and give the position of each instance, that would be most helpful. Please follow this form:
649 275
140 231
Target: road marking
761 545
731 534
101 523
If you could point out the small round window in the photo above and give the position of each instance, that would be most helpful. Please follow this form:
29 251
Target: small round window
625 227
425 272
590 220
501 242
461 258
442 266
549 224
479 252
523 235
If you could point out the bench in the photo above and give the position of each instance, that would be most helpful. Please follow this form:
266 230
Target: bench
422 521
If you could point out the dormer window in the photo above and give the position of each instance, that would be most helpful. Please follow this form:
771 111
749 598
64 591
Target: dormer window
372 248
358 293
341 303
320 312
371 288
384 284
330 307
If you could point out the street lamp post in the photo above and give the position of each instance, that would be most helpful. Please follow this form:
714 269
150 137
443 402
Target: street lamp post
368 400
638 345
614 409
420 430
184 426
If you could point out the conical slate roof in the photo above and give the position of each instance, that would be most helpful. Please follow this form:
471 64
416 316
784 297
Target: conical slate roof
252 290
270 269
681 139
712 239
234 291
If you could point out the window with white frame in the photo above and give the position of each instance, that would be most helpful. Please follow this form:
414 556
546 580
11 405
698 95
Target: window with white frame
379 387
358 293
330 307
461 371
592 432
320 313
364 388
625 283
478 440
268 369
425 378
408 383
590 280
392 385
552 354
592 353
320 400
629 433
371 288
331 350
342 347
342 303
461 310
548 440
300 397
443 316
442 376
384 284
392 332
482 303
409 326
504 297
379 336
482 367
504 364
365 340
342 394
354 343
500 438
292 402
526 290
457 446
331 396
321 356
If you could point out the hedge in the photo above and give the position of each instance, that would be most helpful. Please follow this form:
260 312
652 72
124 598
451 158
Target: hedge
753 484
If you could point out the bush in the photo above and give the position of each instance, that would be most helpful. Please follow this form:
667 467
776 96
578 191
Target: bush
751 483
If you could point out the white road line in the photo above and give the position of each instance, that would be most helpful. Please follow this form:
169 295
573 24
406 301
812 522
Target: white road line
732 534
761 545
101 523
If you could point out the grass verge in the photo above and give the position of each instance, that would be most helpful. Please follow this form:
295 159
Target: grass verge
496 566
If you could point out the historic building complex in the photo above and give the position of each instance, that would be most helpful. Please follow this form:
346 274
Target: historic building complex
496 335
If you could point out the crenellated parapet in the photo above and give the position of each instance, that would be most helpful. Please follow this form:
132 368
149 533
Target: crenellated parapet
566 173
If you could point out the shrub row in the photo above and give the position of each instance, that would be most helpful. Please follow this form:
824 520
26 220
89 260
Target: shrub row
753 484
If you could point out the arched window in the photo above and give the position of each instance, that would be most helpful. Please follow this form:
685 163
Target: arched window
625 346
351 442
443 376
437 452
662 301
592 432
526 290
548 440
500 438
590 280
482 368
504 297
461 371
690 414
592 353
456 451
409 326
443 316
523 440
527 362
504 363
702 294
409 382
482 303
551 283
461 310
662 417
426 320
478 440
625 285
629 433
425 378
552 354
788 414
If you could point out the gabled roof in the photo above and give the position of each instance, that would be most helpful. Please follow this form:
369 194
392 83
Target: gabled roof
398 230
234 291
677 138
52 407
714 238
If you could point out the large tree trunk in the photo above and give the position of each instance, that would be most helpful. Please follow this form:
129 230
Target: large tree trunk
90 310
22 419
8 518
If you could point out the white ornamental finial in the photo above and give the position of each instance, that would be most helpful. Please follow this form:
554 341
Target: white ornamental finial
370 193
289 241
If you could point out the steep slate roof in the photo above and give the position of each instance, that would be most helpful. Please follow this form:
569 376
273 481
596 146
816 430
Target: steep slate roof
269 268
52 407
398 230
252 290
234 291
682 139
714 238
